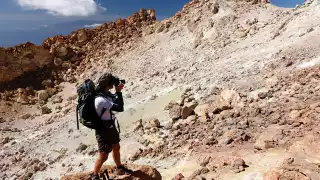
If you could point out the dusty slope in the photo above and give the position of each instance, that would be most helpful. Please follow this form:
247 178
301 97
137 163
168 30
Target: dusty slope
229 50
206 45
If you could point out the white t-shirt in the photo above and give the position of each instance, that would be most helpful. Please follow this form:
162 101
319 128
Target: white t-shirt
104 102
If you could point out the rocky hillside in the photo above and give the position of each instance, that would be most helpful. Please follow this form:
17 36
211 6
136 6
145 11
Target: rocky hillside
222 90
58 58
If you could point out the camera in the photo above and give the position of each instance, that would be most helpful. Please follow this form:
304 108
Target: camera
116 81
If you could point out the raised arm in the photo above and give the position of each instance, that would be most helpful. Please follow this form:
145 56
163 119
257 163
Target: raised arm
118 106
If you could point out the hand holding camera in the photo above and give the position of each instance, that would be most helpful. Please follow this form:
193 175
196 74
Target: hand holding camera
119 87
118 83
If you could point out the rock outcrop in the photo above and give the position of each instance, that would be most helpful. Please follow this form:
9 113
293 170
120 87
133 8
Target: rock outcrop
16 61
140 172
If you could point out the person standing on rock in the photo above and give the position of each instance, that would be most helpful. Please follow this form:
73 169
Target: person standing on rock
108 136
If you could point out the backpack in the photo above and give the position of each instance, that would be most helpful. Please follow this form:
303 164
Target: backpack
85 108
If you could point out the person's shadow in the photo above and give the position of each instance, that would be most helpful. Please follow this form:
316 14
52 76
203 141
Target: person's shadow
143 176
136 175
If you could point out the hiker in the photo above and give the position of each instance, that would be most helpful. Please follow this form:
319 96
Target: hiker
107 135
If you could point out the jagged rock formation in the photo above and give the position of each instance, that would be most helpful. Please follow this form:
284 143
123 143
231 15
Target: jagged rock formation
21 59
57 58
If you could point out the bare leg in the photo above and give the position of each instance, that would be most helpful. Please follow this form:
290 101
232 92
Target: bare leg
99 162
117 159
116 154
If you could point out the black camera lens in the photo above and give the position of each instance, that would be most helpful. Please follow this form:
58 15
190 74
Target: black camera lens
123 81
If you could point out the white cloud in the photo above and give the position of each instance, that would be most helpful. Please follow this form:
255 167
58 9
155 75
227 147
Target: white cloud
92 25
63 7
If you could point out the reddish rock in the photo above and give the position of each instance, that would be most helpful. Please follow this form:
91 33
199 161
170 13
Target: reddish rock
140 172
178 177
175 111
271 175
155 123
239 162
186 112
138 125
28 56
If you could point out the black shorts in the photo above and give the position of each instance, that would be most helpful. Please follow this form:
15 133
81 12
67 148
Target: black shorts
106 137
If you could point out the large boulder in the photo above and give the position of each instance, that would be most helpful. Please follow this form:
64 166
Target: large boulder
227 99
155 123
42 95
202 109
140 172
175 111
82 37
269 138
61 51
57 61
261 93
186 111
152 14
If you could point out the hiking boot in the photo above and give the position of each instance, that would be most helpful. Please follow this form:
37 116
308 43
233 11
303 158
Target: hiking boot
122 170
95 177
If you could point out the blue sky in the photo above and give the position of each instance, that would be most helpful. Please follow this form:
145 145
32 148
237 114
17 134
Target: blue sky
26 20
19 13
287 3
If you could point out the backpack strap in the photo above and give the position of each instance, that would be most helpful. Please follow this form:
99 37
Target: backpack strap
118 126
77 111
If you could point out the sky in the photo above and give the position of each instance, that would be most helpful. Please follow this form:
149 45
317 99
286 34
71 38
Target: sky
287 3
19 15
33 13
